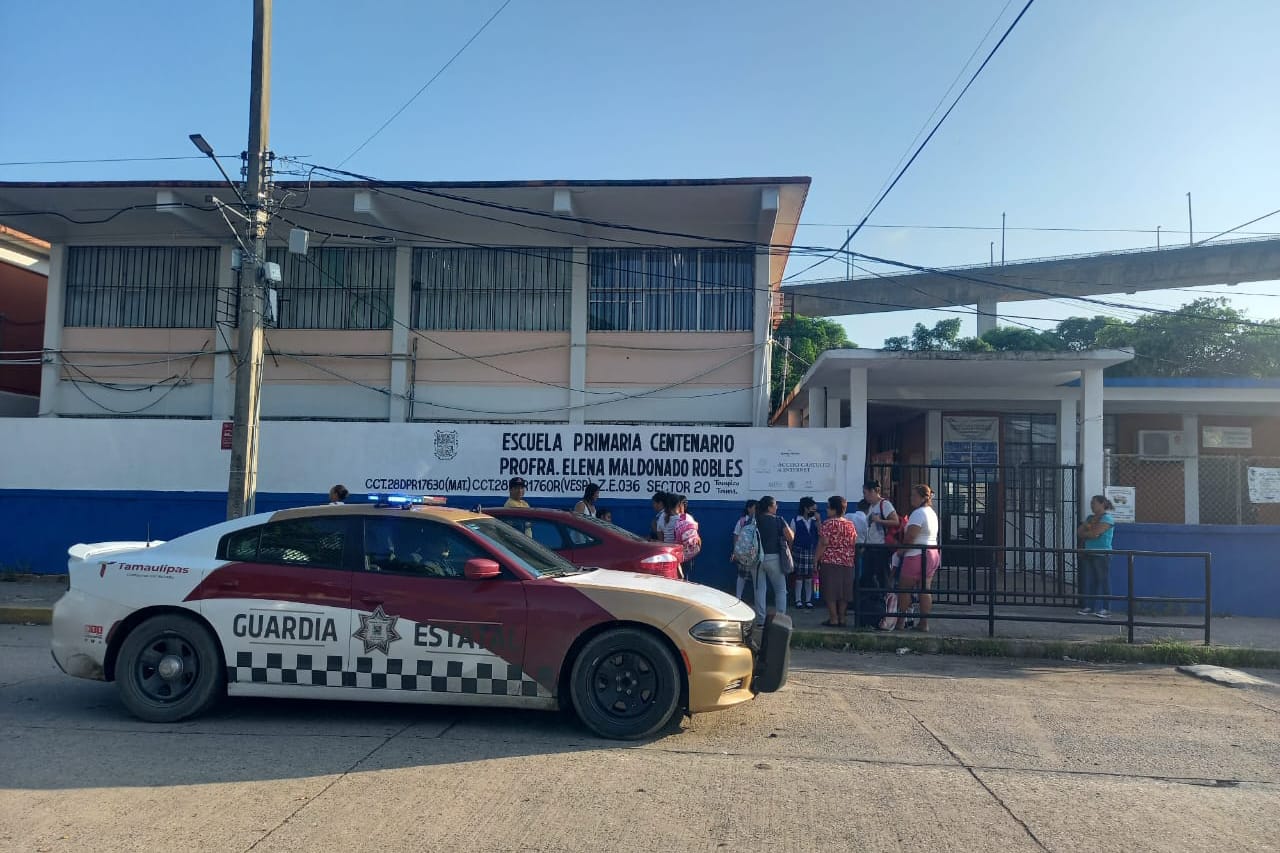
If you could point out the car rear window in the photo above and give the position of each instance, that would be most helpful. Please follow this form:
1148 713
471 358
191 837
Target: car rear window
620 531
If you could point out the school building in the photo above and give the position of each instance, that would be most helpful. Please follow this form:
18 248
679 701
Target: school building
440 337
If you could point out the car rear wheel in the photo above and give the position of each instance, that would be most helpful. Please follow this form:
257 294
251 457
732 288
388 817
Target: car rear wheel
169 669
625 684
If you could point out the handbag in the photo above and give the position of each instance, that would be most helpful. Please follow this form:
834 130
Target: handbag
785 561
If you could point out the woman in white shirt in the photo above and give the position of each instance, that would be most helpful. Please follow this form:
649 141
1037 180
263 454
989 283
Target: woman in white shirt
920 564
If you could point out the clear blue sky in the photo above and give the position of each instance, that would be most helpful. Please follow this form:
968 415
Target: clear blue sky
1095 113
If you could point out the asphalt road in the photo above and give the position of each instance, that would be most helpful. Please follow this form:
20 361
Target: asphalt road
858 752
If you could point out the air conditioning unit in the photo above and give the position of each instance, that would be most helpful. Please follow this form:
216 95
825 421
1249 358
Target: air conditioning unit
1160 444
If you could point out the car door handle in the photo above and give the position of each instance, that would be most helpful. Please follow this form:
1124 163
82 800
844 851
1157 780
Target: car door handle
229 584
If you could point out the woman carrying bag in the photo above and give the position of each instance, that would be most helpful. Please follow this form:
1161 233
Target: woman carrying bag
775 557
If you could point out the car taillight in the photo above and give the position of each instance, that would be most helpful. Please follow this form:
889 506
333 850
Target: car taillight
658 560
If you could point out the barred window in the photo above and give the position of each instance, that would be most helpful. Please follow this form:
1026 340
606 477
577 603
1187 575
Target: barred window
672 290
335 288
149 287
524 290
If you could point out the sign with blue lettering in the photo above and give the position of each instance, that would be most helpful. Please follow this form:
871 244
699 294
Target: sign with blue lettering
970 441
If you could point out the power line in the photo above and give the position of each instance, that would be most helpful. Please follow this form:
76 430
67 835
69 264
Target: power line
942 100
925 143
1042 229
1238 227
426 85
96 160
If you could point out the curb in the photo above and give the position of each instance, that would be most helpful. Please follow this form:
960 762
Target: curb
20 614
1082 651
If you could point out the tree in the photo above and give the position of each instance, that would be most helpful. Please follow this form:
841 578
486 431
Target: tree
810 338
1206 337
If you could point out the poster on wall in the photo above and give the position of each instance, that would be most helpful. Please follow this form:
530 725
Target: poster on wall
1227 438
970 440
556 461
1125 501
1264 485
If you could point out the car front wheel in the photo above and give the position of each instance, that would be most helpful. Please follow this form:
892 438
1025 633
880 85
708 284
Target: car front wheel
169 669
625 684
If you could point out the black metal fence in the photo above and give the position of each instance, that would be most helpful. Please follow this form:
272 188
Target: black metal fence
1015 520
982 594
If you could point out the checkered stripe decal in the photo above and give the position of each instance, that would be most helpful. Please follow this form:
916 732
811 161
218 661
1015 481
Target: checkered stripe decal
428 676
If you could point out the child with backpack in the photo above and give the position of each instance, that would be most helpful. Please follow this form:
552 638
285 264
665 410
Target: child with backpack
746 547
680 528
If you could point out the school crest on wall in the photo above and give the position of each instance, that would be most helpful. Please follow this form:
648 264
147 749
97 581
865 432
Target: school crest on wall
446 444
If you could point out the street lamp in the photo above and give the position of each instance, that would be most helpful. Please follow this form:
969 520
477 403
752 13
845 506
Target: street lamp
203 146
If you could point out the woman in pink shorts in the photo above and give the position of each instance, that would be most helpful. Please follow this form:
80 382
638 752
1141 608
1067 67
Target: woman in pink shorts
919 565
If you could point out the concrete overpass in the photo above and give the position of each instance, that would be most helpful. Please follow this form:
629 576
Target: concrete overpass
1227 262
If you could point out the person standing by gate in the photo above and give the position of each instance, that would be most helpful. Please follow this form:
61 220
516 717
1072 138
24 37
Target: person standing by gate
775 534
1096 533
836 556
919 561
880 516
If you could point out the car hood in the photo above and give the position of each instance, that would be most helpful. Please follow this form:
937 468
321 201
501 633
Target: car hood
607 580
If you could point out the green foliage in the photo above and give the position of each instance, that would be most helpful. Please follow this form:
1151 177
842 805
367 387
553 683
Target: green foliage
810 338
1206 337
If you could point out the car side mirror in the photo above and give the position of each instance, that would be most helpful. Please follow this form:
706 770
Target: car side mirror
480 569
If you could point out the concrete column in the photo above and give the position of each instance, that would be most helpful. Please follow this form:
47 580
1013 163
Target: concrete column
987 316
833 410
1068 436
222 403
1091 430
1191 469
933 437
856 463
579 315
817 406
51 371
763 328
401 310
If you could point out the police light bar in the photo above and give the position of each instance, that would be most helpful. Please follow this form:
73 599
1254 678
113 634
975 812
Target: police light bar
404 501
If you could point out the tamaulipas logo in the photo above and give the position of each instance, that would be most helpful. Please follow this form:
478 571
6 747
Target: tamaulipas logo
144 570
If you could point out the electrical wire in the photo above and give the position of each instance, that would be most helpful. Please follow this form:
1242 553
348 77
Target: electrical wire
426 85
1238 227
114 160
849 239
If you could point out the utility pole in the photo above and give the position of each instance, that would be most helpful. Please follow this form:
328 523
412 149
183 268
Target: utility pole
1002 239
242 486
1157 238
786 362
1191 233
993 253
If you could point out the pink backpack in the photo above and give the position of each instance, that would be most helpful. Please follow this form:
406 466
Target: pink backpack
686 533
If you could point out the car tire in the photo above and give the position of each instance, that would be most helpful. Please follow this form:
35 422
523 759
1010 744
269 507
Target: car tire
169 669
625 684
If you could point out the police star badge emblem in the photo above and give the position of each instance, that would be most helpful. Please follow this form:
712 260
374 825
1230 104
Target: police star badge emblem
377 631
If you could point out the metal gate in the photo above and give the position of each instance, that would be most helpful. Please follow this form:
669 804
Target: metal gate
1016 506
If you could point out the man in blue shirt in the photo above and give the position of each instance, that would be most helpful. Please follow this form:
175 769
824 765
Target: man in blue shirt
1096 534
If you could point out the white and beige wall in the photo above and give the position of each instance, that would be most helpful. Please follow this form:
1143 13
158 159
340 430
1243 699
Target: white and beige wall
574 376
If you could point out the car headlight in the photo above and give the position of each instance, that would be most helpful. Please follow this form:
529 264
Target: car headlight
721 631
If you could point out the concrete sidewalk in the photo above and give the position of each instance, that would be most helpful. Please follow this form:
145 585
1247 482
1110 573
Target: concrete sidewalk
31 599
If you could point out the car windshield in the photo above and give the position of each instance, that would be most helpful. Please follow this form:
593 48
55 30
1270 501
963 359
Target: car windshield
535 559
609 525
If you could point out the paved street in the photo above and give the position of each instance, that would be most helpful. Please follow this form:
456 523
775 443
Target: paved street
869 752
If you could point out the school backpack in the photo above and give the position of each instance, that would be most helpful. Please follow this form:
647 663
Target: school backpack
746 547
897 535
686 534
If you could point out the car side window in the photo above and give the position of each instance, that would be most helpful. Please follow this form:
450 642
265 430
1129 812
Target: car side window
410 546
317 542
545 533
240 546
579 539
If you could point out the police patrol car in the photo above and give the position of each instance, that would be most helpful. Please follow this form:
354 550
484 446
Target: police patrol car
401 601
